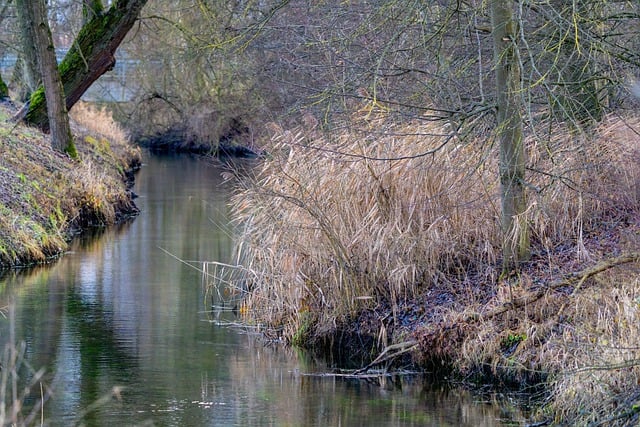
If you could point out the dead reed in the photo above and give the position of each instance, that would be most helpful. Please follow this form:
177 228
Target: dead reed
383 212
332 223
329 227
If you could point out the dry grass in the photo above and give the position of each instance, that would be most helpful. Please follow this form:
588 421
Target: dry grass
596 357
329 230
46 195
90 120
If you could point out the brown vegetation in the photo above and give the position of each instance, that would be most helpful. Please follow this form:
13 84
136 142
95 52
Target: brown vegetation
47 196
391 232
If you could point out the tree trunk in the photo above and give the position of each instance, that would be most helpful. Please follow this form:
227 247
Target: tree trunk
579 83
61 138
91 55
29 68
515 243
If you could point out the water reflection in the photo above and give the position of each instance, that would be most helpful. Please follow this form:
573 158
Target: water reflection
127 308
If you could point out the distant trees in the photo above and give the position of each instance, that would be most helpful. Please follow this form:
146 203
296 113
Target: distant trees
199 76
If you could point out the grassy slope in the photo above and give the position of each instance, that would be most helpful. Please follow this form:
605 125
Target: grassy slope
407 251
45 196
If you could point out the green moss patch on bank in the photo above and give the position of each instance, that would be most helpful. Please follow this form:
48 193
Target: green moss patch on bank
387 237
46 197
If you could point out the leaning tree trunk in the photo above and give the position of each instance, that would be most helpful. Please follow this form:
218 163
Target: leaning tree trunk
515 243
61 139
91 55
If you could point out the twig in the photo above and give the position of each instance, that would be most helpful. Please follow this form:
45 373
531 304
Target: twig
614 366
579 277
389 352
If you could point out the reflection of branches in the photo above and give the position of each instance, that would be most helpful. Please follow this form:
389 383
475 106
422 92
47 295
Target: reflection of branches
389 353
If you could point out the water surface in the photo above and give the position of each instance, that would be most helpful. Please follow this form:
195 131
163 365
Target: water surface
128 309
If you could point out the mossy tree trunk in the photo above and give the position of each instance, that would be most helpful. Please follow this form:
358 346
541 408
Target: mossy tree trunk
91 55
4 91
61 138
515 243
91 9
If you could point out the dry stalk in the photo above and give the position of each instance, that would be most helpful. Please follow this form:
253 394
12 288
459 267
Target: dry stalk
390 352
574 279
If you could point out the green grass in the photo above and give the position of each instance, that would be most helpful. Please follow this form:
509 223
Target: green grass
43 193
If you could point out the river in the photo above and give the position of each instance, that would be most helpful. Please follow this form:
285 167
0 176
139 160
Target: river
123 328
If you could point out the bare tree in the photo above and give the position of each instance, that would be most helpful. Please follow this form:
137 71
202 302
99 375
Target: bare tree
27 67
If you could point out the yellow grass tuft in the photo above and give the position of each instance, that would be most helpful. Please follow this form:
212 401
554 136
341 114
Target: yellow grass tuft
89 119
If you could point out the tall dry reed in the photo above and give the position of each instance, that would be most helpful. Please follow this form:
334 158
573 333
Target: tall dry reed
335 223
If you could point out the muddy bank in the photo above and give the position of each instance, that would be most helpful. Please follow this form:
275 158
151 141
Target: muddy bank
547 336
232 143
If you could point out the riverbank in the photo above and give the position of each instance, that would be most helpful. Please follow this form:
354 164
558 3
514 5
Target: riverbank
386 245
47 197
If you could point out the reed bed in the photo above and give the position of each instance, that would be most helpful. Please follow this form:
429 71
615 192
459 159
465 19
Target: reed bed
329 228
336 221
382 213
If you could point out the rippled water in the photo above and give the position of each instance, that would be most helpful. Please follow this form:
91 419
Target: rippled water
127 309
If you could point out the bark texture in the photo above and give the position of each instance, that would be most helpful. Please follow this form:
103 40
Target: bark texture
27 67
515 242
4 91
61 138
91 55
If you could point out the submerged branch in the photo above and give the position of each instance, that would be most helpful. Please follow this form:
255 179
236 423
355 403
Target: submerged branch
389 353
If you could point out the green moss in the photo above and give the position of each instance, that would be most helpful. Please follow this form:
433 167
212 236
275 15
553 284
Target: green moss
37 114
301 336
4 91
101 146
512 340
71 150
